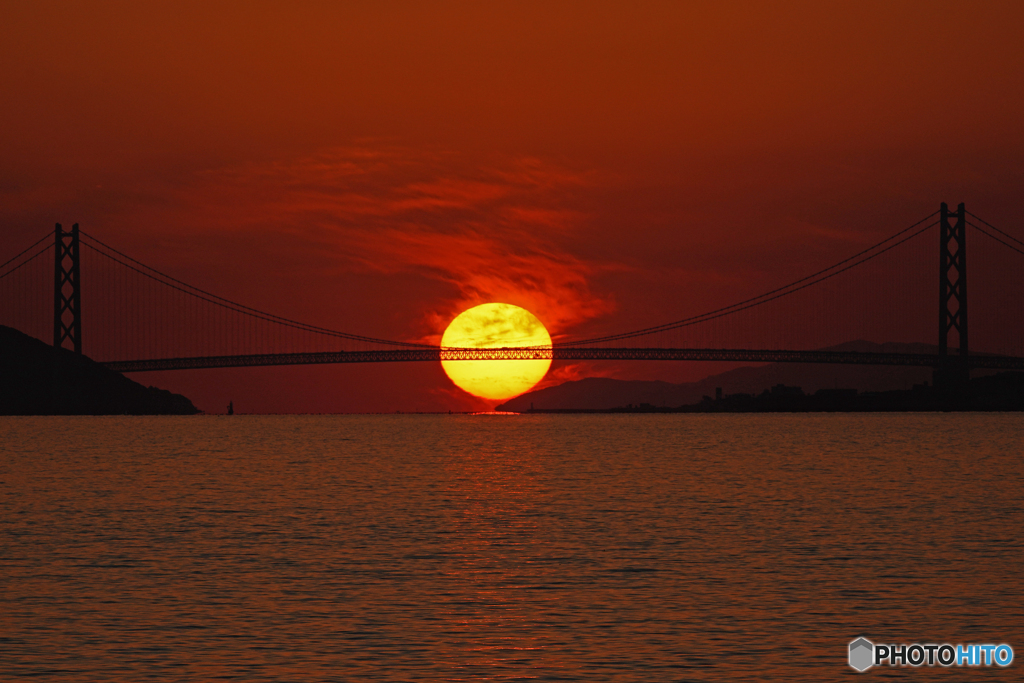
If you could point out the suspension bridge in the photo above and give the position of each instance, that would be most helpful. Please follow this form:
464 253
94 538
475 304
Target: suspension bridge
138 318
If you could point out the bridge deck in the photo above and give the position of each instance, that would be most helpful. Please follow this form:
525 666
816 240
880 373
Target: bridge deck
557 353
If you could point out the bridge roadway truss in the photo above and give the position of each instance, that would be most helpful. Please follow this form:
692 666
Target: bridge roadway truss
558 353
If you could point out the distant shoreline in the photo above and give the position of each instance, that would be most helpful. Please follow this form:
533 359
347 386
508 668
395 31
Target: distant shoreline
1003 392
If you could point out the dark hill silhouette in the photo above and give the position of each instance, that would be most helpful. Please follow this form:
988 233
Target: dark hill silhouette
36 379
601 393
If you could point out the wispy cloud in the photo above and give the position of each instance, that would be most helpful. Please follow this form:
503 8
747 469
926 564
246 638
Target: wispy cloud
491 233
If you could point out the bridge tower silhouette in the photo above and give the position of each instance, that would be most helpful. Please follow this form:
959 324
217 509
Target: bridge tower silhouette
952 371
67 289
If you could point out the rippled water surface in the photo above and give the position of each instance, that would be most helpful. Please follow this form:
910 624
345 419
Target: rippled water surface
582 548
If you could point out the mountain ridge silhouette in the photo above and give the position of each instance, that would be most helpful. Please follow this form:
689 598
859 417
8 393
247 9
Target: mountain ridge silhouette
603 393
38 379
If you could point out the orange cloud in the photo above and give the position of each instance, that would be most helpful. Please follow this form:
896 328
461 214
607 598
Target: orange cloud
491 234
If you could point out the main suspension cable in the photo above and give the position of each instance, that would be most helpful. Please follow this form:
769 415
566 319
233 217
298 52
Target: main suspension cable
1004 234
772 295
990 235
28 260
209 297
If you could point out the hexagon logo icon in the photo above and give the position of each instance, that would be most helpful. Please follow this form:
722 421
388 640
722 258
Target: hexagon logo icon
862 654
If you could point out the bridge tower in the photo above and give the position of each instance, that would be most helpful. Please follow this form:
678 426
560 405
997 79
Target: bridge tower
953 371
67 290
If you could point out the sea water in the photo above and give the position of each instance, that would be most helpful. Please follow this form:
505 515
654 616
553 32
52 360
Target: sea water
504 547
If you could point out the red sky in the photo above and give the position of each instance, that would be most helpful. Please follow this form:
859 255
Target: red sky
378 167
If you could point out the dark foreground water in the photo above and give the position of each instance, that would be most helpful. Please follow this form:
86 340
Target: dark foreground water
582 548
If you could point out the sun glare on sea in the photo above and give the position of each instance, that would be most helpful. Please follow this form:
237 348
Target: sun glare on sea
490 326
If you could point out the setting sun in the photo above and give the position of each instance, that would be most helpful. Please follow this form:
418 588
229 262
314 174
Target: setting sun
491 326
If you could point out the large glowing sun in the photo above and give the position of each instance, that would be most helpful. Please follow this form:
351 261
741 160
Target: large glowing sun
490 326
